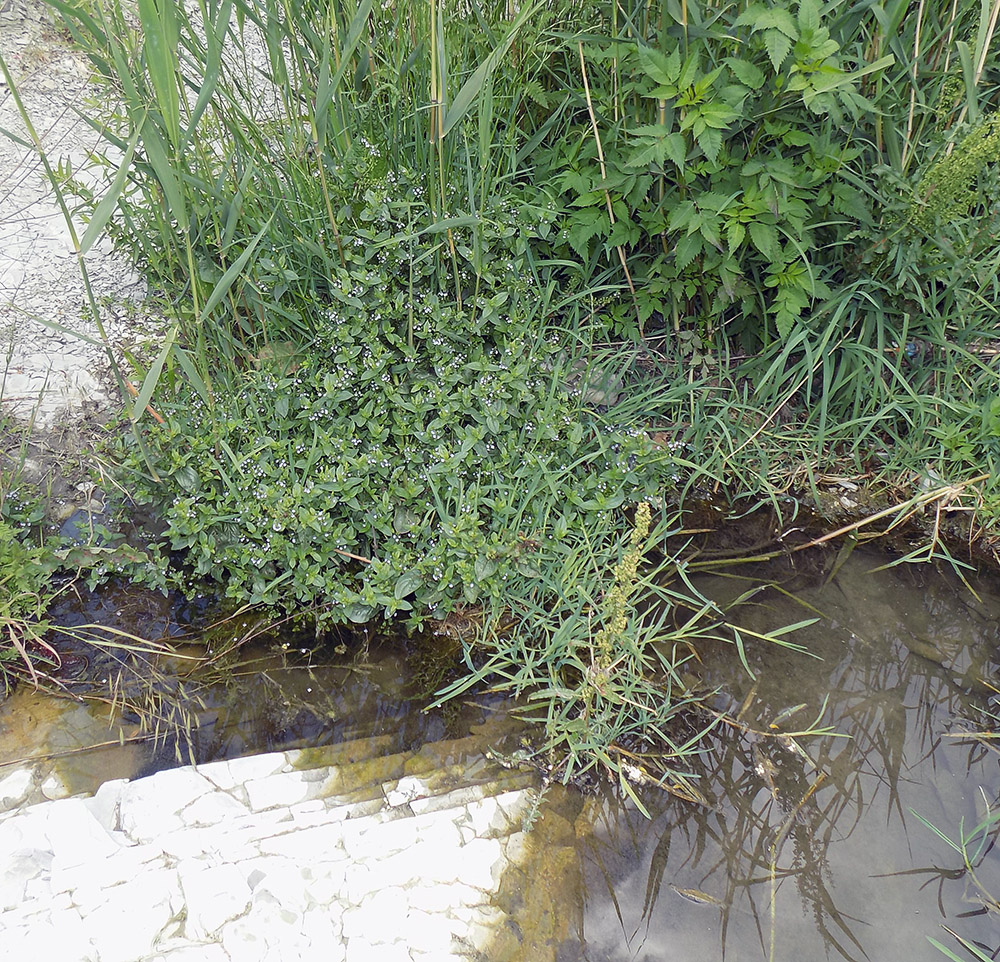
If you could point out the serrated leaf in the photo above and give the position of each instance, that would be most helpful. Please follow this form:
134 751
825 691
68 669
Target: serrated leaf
710 141
777 18
735 234
746 72
407 583
681 216
687 249
808 15
765 239
778 46
676 149
658 66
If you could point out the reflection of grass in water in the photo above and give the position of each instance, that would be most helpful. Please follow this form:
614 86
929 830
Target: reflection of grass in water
773 812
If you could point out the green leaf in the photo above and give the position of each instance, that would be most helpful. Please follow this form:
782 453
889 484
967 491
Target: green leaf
109 202
229 278
687 249
746 72
407 583
485 567
778 46
765 239
359 613
660 67
153 375
735 234
710 141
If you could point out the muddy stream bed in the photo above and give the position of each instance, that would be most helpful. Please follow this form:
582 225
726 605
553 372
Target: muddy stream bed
803 848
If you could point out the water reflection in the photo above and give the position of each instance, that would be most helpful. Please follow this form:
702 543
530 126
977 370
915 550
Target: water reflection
809 847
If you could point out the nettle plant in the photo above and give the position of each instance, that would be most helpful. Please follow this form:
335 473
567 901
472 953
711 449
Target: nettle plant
723 146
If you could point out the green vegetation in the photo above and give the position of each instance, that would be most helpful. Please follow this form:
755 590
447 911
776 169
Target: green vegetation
465 303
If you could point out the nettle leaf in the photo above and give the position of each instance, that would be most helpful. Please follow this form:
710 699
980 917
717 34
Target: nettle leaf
765 239
681 216
660 67
584 226
776 18
710 141
809 15
778 46
718 115
676 149
735 233
687 249
746 72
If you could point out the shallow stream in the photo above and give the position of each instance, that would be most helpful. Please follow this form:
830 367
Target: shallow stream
814 847
806 847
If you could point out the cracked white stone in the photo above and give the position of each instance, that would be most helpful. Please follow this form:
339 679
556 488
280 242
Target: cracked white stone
15 787
213 896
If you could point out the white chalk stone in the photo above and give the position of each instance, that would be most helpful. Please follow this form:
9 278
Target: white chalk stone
231 774
321 843
207 952
213 895
151 807
283 788
428 933
104 803
215 808
15 787
358 950
370 838
379 918
406 790
53 787
126 927
74 834
444 899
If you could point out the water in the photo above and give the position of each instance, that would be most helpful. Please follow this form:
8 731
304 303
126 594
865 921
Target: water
823 828
903 658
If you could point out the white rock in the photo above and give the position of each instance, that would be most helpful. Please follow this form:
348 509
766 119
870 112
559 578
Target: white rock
371 838
103 805
428 933
15 787
215 808
379 918
322 843
151 807
213 895
283 788
53 787
407 789
74 834
234 772
126 927
358 950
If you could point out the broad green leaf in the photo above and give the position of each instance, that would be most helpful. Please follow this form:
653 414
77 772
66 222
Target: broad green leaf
485 567
687 249
407 583
710 141
359 613
735 234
